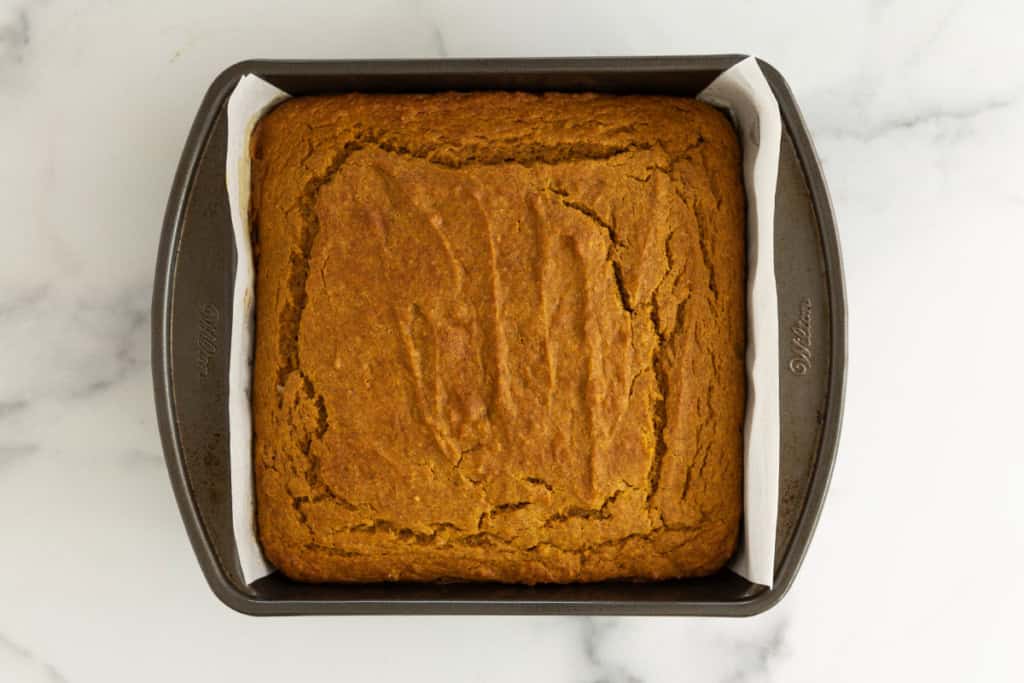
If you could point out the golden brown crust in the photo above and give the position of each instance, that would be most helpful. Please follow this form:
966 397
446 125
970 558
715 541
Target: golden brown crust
500 336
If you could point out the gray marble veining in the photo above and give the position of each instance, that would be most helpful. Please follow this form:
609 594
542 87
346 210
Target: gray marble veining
944 116
755 660
14 37
16 660
595 631
915 109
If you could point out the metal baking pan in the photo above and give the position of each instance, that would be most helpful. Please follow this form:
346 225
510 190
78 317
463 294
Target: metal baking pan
191 329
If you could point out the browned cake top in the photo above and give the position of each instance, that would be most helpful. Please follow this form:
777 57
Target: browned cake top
500 336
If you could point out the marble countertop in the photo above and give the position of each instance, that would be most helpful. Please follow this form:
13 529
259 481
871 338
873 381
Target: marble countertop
915 571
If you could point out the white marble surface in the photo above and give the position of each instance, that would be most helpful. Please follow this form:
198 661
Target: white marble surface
915 572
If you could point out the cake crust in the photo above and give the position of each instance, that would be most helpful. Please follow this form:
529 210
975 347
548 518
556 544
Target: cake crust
499 337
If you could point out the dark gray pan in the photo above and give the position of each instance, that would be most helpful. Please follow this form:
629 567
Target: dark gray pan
191 329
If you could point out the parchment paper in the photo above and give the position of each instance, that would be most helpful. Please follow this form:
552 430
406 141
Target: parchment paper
745 93
251 99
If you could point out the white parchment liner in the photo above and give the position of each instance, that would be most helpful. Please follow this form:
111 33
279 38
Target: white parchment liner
745 93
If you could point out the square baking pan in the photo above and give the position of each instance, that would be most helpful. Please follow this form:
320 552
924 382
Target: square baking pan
192 326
